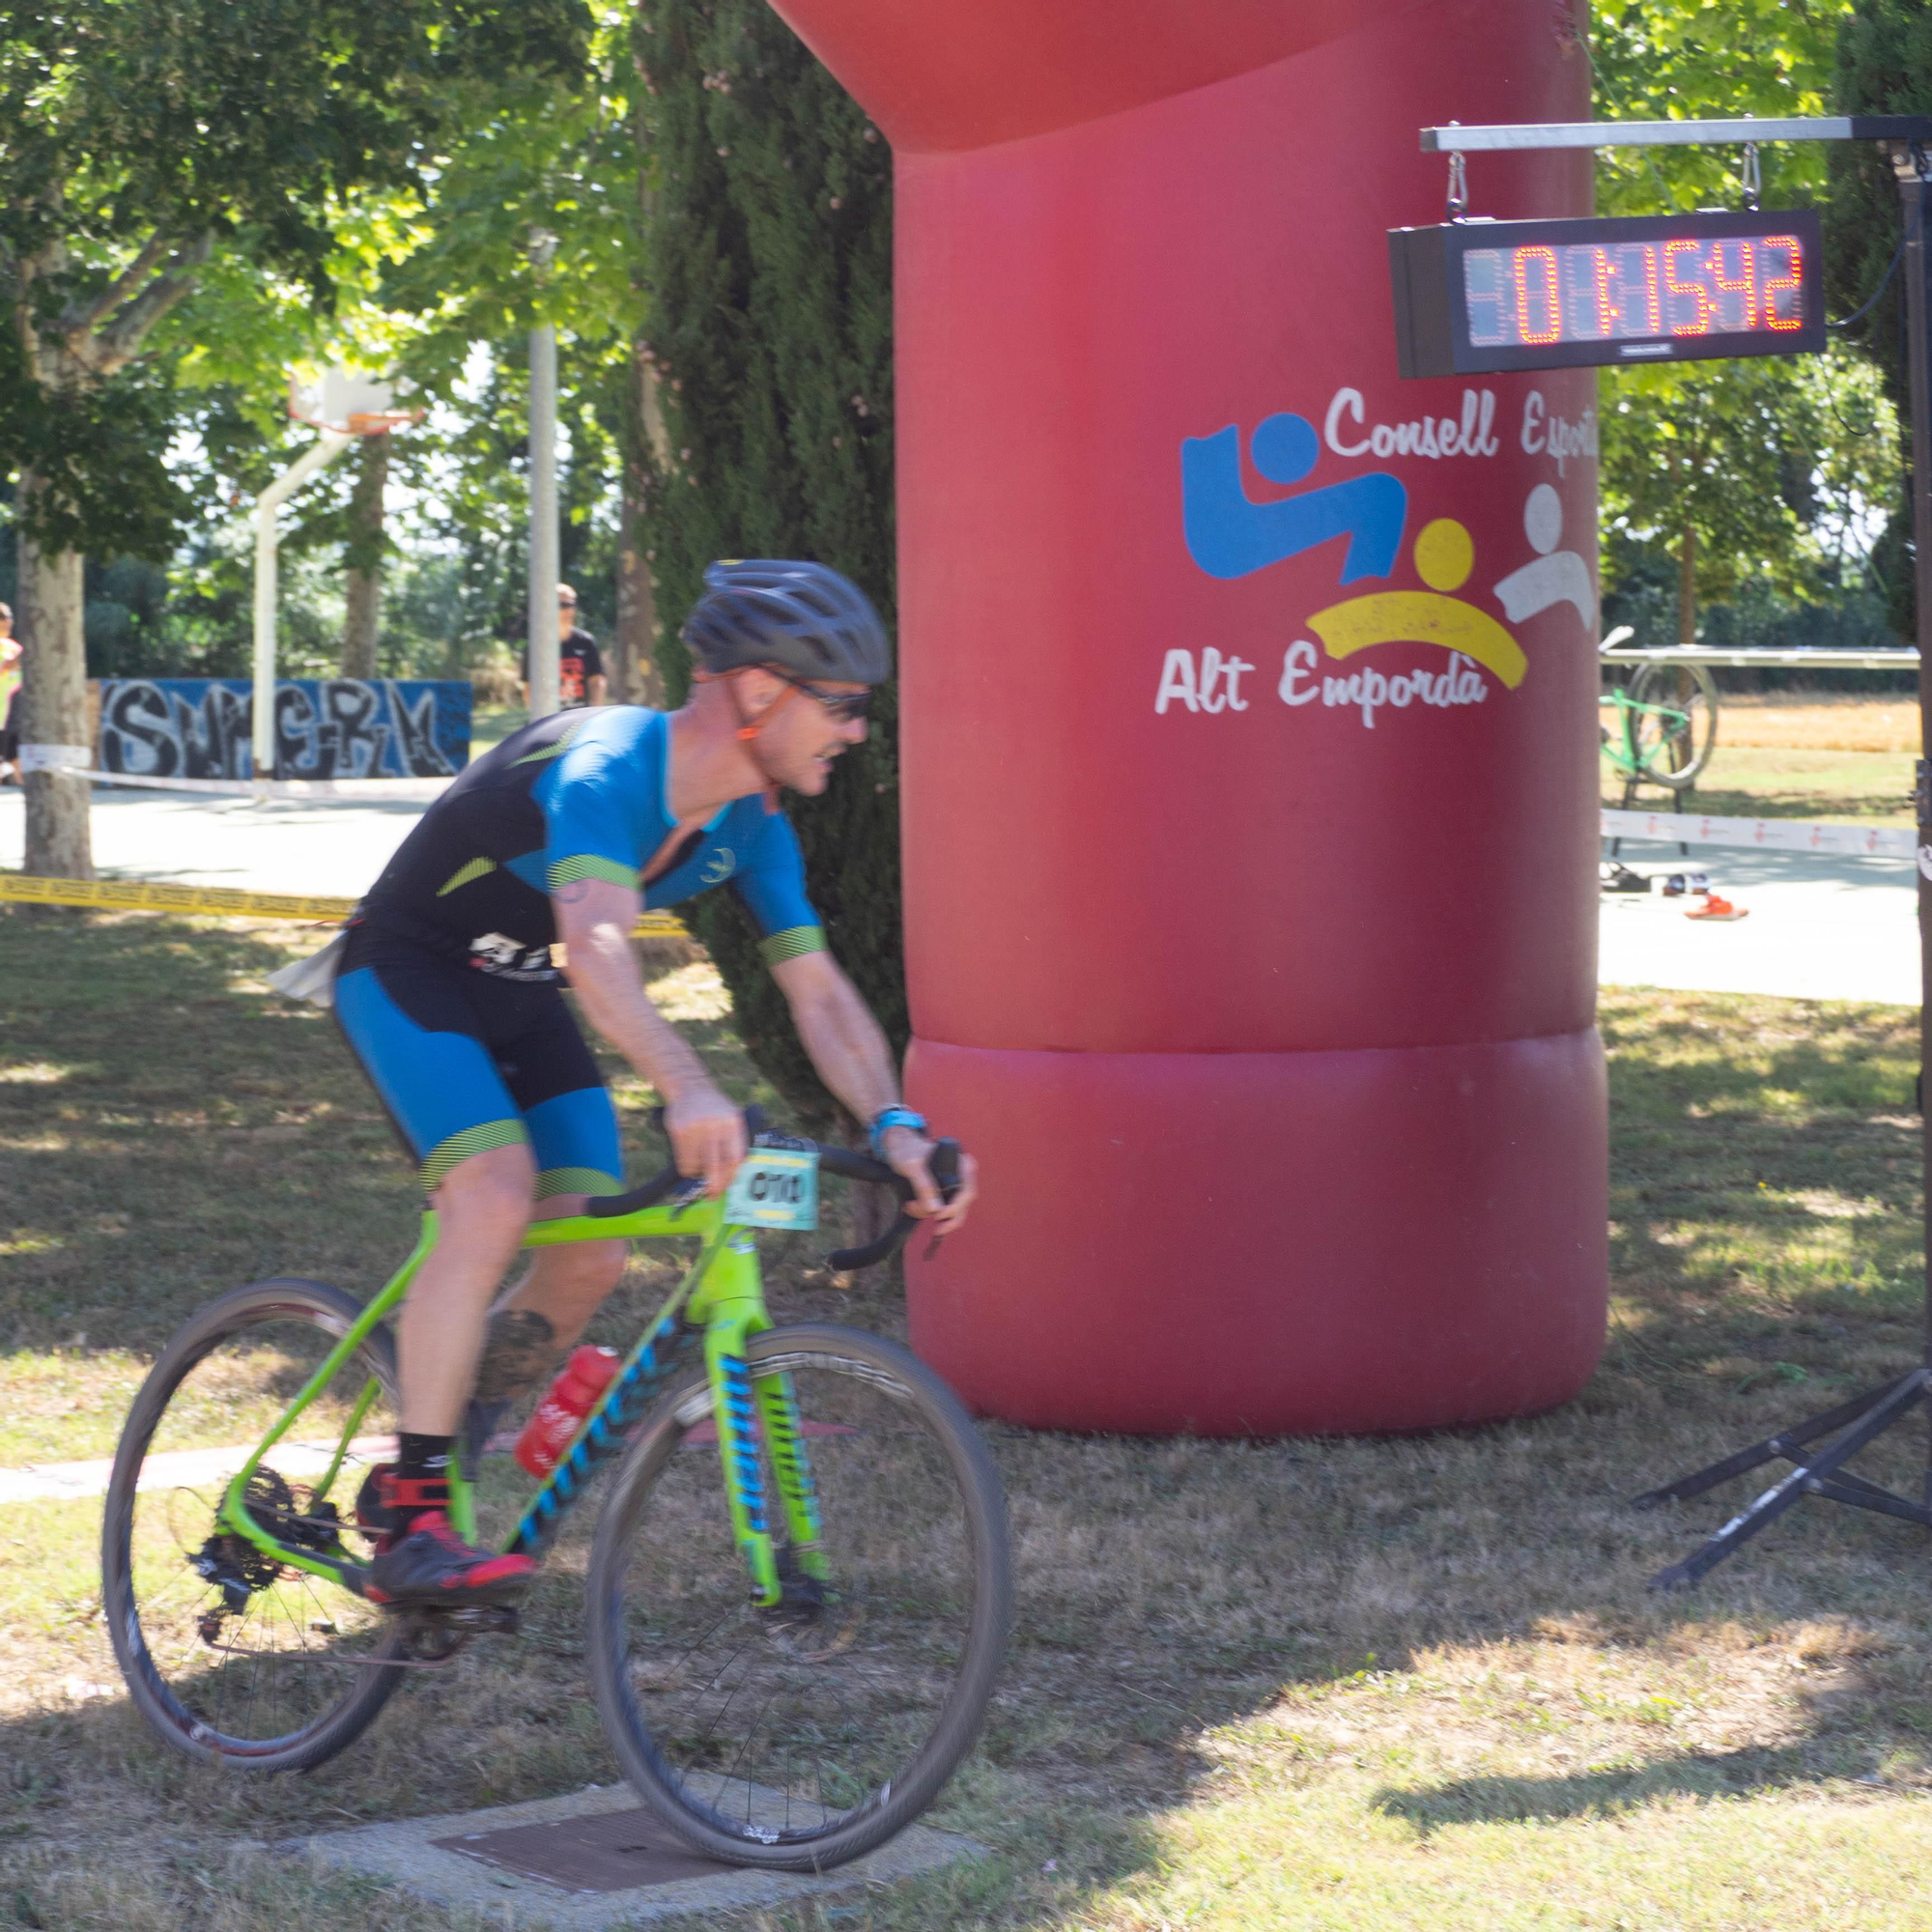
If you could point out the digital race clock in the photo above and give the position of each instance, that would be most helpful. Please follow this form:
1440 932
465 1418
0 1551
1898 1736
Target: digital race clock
1477 296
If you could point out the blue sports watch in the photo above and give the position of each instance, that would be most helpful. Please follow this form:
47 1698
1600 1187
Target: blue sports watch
893 1116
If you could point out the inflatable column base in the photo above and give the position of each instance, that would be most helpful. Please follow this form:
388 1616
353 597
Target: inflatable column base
1270 1243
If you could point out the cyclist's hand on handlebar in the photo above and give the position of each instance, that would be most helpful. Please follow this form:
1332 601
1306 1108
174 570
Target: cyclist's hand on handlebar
910 1153
707 1136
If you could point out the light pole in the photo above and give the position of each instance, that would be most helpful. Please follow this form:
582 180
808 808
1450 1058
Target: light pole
545 694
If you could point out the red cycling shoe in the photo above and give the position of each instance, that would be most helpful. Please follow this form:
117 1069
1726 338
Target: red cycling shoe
429 1562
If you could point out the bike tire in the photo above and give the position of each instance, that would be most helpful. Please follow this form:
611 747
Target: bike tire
170 1706
1673 757
886 1560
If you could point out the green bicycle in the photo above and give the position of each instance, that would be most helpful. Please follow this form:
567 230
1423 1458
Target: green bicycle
1663 727
798 1590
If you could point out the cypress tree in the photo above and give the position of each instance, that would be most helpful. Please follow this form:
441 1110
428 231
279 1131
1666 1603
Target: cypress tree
769 275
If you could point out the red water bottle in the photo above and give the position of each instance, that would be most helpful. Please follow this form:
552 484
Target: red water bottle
561 1414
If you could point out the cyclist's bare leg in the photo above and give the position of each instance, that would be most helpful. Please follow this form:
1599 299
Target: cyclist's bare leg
542 1314
482 1208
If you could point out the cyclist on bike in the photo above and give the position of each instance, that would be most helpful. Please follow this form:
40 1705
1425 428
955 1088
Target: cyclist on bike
448 997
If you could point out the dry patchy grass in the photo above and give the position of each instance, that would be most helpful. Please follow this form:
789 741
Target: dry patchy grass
1810 721
1352 1685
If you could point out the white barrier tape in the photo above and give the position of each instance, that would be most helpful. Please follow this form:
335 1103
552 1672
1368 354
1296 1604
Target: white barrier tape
1776 835
369 790
54 757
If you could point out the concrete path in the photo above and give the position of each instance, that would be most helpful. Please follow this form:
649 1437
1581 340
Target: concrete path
275 846
1820 928
175 1469
423 1855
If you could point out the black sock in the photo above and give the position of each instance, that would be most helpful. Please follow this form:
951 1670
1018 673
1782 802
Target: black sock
422 1476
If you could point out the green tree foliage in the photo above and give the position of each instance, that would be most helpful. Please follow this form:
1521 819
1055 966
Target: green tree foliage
1768 468
146 139
145 135
1758 469
1884 66
770 279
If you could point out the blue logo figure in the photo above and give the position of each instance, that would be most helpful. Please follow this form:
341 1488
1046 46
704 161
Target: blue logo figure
1229 535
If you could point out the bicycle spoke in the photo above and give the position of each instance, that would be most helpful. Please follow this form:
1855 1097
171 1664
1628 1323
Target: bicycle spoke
819 1706
249 1653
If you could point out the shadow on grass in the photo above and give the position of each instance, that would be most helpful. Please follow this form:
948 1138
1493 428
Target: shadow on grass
1172 1595
1596 1794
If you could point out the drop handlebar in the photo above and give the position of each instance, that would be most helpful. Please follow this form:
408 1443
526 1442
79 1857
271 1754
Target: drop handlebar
839 1160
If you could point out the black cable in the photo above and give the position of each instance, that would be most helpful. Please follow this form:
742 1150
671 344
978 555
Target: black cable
1885 282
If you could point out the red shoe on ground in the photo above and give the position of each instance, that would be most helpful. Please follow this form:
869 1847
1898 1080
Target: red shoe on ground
1717 907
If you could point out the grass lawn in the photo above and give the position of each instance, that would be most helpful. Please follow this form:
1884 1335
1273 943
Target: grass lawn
1347 1685
1801 755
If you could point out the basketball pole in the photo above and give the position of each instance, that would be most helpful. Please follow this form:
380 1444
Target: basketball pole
546 694
267 542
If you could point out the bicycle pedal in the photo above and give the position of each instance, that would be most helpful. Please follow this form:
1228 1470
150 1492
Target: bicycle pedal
467 1617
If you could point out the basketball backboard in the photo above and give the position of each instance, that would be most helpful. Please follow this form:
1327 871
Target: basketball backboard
352 402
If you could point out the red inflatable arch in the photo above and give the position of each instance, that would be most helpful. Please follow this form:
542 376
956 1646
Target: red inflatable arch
1249 717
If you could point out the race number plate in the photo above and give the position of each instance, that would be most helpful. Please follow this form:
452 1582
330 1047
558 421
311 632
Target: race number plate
777 1187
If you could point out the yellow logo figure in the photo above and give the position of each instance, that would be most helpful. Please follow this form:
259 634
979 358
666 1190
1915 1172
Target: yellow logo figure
1445 557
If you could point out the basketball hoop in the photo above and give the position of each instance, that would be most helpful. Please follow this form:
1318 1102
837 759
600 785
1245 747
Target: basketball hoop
348 401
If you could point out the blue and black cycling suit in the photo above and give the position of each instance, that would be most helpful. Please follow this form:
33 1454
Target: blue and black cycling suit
446 992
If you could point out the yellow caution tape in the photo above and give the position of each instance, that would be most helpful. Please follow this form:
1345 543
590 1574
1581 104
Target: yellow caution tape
221 901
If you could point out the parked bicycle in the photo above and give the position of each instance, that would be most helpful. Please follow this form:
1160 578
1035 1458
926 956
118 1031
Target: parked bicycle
798 1591
1663 723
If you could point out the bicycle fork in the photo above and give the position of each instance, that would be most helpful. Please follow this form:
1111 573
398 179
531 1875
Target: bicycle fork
734 1304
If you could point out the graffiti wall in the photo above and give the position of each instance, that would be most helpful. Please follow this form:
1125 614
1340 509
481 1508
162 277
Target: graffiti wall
341 727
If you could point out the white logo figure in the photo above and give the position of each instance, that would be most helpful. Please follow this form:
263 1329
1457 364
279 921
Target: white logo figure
1557 576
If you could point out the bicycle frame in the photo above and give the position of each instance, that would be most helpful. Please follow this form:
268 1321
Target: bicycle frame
723 1292
1624 754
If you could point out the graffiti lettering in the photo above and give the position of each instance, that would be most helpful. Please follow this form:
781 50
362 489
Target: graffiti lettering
324 728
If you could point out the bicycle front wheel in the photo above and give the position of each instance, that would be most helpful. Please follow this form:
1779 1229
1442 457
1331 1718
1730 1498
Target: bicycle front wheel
230 1656
799 1737
1673 721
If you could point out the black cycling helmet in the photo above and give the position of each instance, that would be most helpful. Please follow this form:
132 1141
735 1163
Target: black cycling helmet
799 616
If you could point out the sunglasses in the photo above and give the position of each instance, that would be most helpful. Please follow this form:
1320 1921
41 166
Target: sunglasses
845 707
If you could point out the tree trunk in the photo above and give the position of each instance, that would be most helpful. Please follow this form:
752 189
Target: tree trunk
364 558
1686 587
53 702
634 656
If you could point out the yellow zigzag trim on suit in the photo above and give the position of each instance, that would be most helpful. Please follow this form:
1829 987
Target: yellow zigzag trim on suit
587 865
555 750
793 941
471 1140
576 1180
472 869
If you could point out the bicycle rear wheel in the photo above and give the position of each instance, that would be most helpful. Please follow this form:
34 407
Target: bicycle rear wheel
1675 726
798 1738
231 1657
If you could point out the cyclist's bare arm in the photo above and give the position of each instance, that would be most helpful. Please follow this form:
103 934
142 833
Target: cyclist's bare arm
855 1061
594 919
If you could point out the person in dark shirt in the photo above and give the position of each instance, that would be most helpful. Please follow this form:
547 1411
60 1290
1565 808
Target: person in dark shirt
580 664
